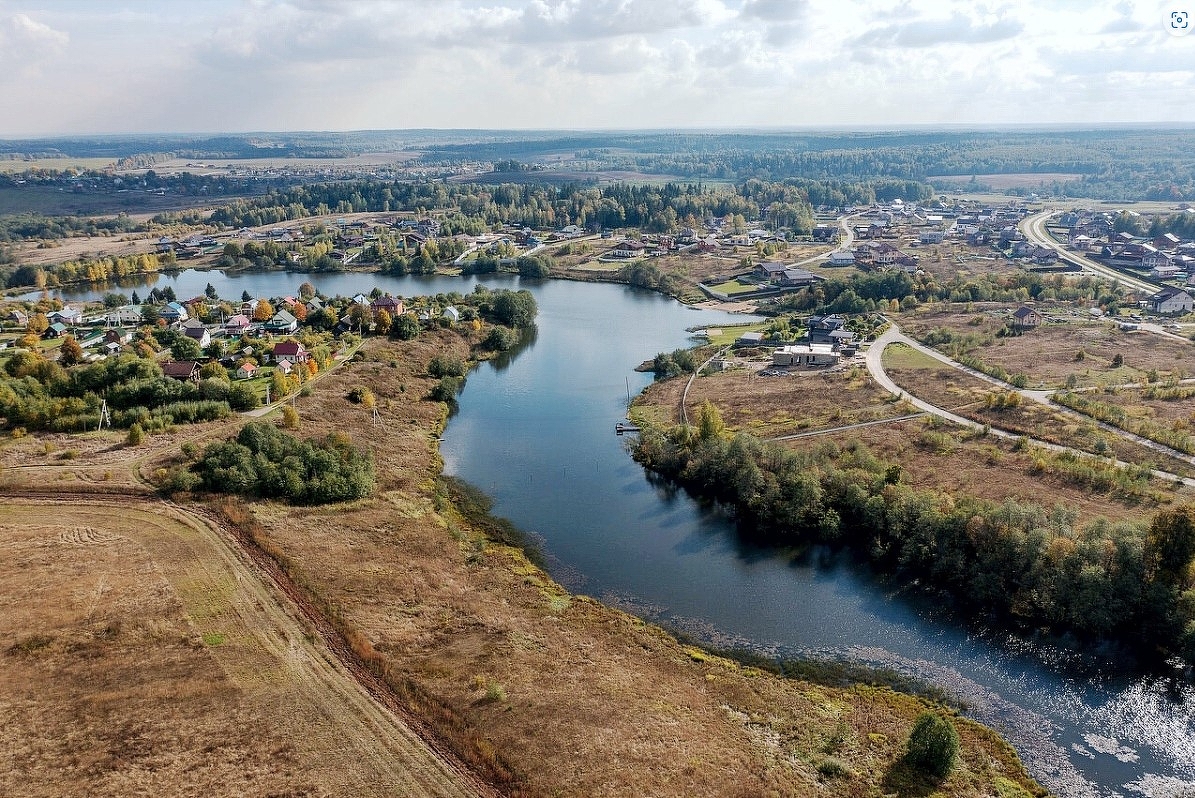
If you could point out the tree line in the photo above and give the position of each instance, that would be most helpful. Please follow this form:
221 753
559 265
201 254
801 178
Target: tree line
1019 564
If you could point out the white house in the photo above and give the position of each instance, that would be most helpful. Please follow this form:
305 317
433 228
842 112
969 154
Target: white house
841 257
1171 300
806 355
119 317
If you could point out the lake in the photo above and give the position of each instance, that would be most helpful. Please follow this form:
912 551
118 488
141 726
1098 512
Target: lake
536 432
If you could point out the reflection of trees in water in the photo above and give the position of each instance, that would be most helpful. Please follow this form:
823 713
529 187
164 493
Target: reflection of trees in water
527 338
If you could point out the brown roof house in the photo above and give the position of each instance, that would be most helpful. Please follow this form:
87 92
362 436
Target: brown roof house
184 370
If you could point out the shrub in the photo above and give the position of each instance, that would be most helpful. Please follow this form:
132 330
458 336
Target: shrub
933 745
290 417
444 366
501 338
446 390
242 397
136 435
832 768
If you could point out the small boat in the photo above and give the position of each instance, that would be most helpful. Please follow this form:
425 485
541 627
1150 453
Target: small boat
623 426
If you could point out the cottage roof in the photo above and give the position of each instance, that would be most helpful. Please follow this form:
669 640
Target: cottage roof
288 348
180 369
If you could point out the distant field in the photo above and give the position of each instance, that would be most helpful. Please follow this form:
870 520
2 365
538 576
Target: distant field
1023 180
564 176
53 201
218 165
21 164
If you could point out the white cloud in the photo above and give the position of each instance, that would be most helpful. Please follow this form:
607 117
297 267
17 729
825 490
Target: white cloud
928 33
26 42
343 64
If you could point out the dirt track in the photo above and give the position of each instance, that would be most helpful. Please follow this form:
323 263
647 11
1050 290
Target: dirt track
271 650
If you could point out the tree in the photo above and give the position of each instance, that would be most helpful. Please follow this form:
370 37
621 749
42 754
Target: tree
709 422
135 299
210 293
241 397
38 323
359 316
70 353
514 308
1170 546
246 296
264 311
382 321
306 290
185 348
405 327
933 745
290 417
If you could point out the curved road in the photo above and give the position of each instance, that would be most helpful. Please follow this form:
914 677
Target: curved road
1034 228
893 334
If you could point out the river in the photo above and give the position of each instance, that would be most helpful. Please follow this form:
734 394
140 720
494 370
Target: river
536 432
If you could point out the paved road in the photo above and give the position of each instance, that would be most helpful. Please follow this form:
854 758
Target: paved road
893 334
1034 228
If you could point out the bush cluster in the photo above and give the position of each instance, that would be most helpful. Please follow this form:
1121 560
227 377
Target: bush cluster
265 462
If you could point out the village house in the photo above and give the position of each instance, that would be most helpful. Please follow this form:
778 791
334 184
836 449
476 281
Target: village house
174 312
390 304
18 317
749 339
128 314
821 329
841 257
283 323
55 330
770 270
793 277
182 370
1164 271
810 354
247 370
289 351
236 325
1024 318
118 336
197 331
628 249
67 315
1170 300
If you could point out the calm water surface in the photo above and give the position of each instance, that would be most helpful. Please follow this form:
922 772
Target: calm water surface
535 432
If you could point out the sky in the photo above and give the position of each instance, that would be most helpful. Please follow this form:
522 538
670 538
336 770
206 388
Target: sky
200 66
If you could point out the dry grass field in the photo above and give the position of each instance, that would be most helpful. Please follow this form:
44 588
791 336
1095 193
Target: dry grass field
1052 353
770 407
930 455
180 667
140 654
967 396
